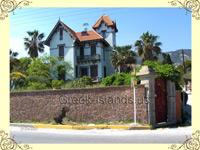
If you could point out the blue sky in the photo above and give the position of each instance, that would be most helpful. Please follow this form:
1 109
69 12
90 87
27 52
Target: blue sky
171 24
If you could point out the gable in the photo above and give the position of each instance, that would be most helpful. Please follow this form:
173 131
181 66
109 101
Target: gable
56 28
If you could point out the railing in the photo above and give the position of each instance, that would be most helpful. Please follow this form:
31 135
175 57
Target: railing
88 57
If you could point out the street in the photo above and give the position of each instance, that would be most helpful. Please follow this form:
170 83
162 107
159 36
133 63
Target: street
166 135
173 135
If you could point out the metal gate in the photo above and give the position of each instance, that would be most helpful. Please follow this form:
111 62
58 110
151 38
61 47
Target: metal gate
160 100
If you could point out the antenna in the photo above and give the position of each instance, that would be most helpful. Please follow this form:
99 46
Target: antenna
86 26
104 11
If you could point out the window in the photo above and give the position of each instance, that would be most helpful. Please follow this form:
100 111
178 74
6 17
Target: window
103 33
61 34
93 50
84 71
104 54
76 71
81 51
104 71
61 51
94 71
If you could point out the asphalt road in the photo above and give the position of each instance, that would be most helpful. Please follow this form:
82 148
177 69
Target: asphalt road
28 135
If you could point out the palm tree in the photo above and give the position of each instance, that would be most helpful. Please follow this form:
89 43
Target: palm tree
122 57
34 43
148 47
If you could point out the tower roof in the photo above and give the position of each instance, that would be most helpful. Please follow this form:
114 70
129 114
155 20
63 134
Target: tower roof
106 19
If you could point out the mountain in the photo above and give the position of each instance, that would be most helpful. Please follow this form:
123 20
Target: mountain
176 56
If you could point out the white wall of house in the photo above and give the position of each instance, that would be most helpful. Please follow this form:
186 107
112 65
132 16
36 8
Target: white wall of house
69 50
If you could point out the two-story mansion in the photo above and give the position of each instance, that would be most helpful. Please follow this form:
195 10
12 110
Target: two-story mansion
88 51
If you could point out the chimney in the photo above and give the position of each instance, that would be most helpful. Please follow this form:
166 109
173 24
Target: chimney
84 33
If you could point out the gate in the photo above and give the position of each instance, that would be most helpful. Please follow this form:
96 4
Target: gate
160 100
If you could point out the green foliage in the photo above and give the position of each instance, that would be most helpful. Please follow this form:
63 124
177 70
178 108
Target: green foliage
166 59
36 86
165 71
57 84
39 79
22 65
82 82
121 57
86 80
119 79
147 45
34 43
47 66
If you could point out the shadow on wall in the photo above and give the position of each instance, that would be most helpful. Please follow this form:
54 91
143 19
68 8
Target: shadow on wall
59 119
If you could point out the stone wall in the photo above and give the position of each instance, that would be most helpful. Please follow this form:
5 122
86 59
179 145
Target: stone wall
88 104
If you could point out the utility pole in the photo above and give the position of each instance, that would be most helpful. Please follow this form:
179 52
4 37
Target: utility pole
184 69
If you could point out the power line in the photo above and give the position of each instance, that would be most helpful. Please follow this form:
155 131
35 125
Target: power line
60 11
47 18
79 18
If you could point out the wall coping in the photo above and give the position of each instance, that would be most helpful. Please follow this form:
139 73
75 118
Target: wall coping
71 89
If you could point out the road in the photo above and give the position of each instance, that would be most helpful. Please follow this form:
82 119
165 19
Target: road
167 135
172 135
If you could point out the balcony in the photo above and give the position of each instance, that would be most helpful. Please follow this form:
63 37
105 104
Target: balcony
87 58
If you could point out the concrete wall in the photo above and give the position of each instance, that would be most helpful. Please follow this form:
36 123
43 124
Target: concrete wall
96 104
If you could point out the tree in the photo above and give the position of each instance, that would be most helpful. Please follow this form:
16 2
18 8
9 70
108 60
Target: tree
34 43
121 57
13 61
22 65
148 47
166 59
47 66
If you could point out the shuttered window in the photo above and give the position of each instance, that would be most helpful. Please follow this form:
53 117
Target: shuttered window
61 51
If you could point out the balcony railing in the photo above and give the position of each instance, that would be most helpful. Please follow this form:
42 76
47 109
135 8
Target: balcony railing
88 57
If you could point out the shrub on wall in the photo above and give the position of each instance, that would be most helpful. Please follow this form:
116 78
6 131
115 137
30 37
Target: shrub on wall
36 86
119 79
57 84
39 79
167 71
82 82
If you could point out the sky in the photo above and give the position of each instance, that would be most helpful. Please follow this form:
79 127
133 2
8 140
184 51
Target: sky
172 25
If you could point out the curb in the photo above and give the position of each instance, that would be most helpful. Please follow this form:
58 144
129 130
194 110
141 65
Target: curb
83 127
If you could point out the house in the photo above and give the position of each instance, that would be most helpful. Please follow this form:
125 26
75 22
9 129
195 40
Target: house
88 51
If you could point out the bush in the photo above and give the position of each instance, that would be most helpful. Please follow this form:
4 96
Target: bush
86 80
38 79
57 84
167 71
119 79
36 86
82 82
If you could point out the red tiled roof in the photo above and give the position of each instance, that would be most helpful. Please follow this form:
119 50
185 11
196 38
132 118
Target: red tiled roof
106 20
69 29
91 35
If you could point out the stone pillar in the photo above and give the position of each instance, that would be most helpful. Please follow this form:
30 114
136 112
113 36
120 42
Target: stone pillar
147 75
171 101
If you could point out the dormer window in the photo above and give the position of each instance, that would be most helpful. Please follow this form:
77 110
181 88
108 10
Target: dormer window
103 33
61 34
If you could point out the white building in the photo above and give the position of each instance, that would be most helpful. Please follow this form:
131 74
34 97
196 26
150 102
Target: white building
88 51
